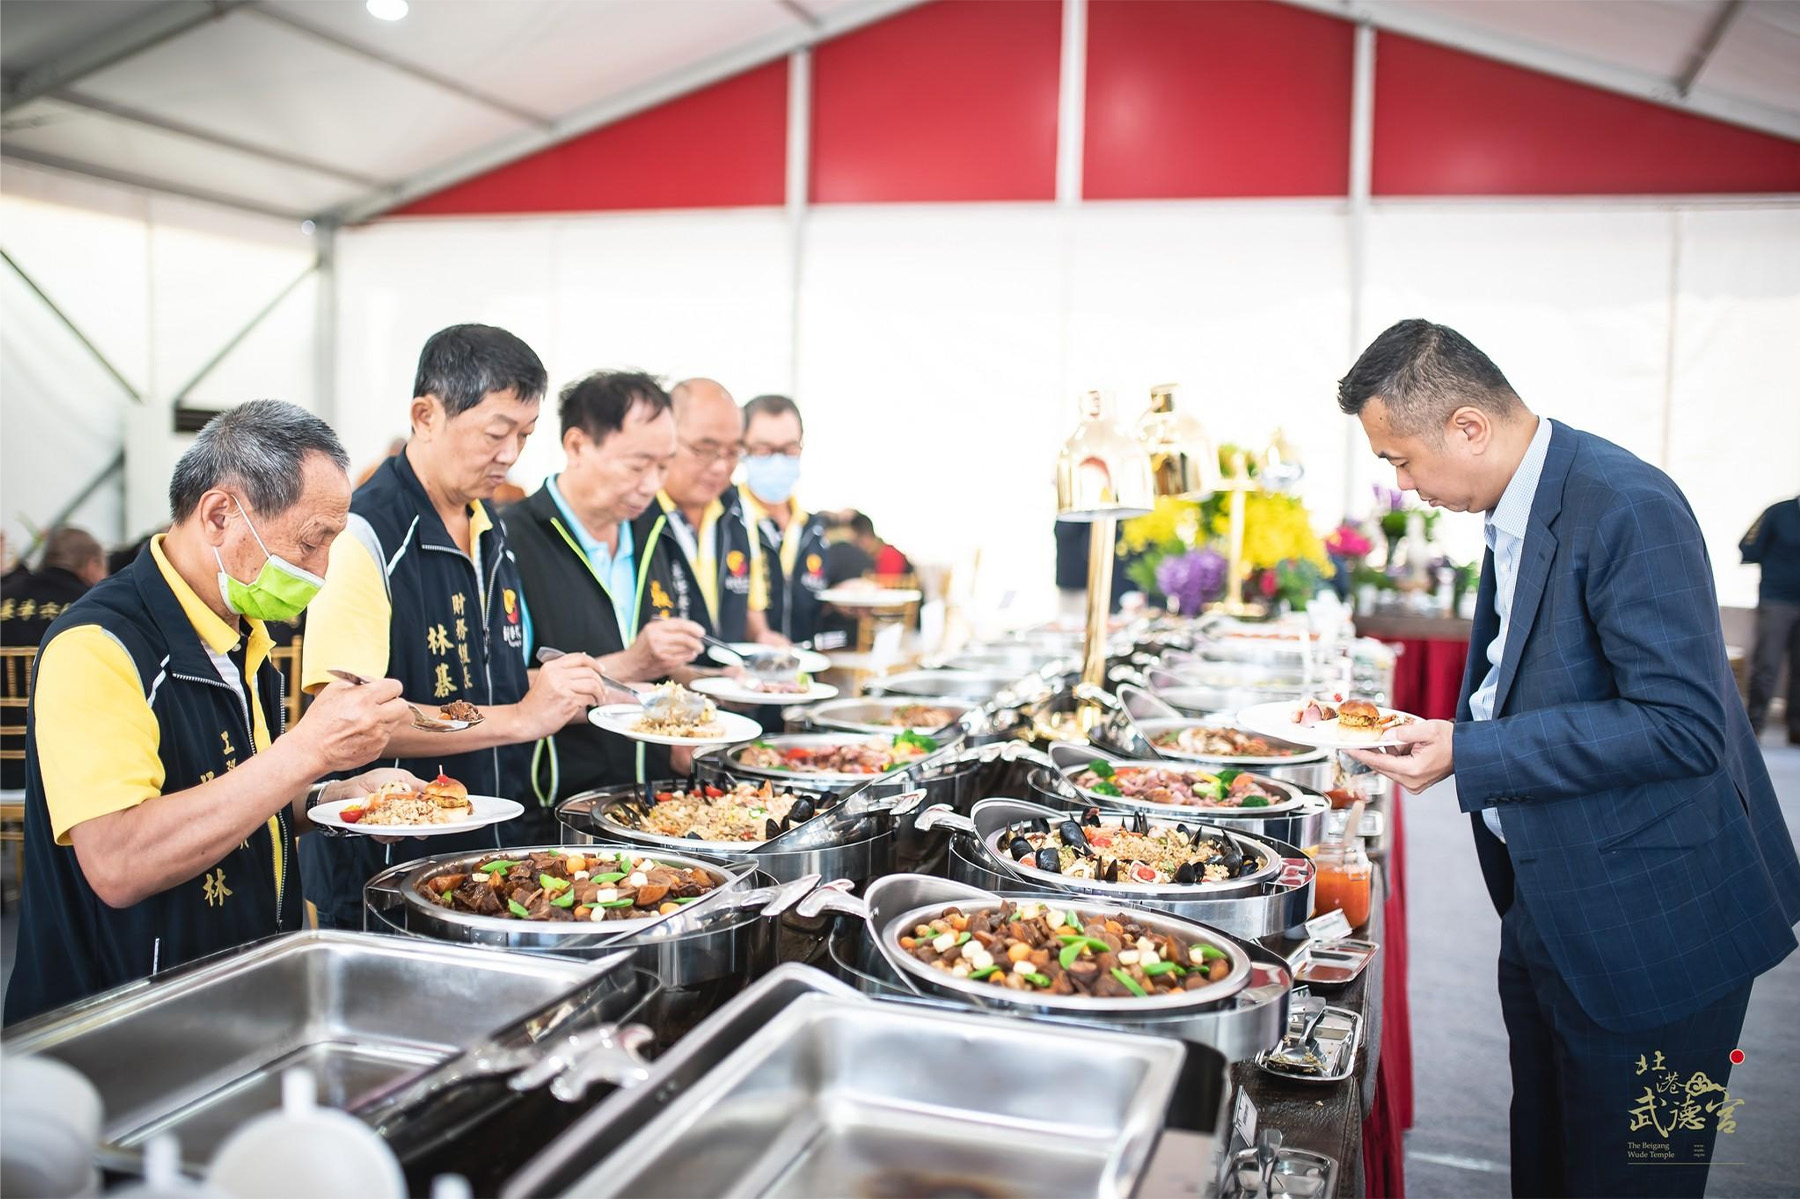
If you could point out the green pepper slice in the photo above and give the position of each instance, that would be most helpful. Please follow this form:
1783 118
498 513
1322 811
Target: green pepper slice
1074 944
1209 952
609 877
551 883
984 973
448 895
518 910
566 900
1039 980
1163 968
1131 985
624 902
499 864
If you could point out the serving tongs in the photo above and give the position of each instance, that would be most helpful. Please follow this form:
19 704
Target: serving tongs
430 724
831 826
777 662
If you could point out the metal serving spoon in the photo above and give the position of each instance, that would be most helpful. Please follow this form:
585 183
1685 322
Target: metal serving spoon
548 654
421 720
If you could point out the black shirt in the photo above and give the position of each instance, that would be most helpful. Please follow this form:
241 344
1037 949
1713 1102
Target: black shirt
1774 543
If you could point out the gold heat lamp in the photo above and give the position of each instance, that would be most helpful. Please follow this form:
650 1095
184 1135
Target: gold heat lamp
1102 476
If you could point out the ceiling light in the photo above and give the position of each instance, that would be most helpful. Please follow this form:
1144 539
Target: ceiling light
386 10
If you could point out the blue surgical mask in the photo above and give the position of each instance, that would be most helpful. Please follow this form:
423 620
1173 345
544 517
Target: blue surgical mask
772 476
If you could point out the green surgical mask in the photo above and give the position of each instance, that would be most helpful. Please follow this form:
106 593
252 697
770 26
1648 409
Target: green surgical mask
280 591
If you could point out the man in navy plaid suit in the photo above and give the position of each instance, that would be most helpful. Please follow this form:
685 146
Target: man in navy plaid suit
1623 816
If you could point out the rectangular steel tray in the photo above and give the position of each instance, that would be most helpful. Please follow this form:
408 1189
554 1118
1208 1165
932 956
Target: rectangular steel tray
1339 1035
836 1095
1344 959
200 1050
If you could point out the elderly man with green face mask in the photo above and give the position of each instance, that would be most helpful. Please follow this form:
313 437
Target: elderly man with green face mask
163 796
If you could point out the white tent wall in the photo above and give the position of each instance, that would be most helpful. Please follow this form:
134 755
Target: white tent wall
159 285
939 348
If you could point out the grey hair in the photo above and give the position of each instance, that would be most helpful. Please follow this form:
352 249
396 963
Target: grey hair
259 448
771 405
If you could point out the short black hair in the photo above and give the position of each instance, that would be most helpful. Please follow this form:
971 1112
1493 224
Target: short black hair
861 525
772 405
1423 373
598 404
259 448
462 364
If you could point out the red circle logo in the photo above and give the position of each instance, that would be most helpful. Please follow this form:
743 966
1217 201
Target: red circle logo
1737 1057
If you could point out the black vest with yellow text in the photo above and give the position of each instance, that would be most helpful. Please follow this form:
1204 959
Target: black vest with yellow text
673 588
71 944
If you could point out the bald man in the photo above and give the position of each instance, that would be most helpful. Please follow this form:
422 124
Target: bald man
713 578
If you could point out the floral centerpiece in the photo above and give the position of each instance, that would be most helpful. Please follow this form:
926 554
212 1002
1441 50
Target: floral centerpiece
1349 549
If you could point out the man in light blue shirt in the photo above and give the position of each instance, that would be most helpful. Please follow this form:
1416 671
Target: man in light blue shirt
1505 534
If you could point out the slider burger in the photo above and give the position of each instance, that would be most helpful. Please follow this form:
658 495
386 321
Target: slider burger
1359 716
451 797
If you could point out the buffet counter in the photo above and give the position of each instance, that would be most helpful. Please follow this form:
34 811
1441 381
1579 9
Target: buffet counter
1431 654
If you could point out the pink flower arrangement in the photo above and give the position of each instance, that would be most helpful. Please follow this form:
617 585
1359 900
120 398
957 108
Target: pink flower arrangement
1347 541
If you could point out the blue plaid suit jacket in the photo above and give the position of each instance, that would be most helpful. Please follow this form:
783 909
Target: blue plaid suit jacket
1643 834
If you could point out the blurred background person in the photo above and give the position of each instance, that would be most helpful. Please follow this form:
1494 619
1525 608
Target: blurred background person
1773 543
30 600
791 540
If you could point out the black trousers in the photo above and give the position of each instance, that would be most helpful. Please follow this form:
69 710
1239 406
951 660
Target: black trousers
1599 1113
1777 637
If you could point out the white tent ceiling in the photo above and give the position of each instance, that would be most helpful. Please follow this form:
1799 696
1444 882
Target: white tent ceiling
314 108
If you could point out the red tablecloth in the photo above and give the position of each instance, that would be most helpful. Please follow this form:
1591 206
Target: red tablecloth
1385 1126
1428 677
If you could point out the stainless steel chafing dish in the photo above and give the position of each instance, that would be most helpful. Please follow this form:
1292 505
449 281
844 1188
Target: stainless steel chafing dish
1297 816
1239 1018
201 1049
982 687
859 848
1276 897
699 962
801 1087
947 776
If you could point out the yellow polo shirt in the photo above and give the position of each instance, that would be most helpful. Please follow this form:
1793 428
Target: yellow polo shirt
349 621
97 736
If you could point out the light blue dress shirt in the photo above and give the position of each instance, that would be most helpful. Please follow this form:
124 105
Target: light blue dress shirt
1505 533
616 569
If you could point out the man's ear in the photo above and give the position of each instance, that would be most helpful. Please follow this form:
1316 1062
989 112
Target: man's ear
213 514
428 416
1472 427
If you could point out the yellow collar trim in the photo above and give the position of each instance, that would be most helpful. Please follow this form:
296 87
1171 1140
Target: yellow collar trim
218 636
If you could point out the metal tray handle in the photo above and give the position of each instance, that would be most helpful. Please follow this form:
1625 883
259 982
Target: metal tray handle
609 1054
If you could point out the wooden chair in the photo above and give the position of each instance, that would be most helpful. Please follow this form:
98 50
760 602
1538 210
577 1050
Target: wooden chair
15 695
287 661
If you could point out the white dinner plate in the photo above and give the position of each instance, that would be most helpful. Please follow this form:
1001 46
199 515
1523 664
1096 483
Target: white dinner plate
1276 720
733 691
845 597
621 719
483 811
811 661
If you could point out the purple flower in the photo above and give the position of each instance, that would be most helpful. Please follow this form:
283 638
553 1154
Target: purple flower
1389 499
1192 579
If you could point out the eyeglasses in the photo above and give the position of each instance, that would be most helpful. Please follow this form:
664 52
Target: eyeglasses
791 450
713 452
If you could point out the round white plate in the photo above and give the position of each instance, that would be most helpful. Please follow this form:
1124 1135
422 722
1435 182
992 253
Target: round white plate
1276 719
845 597
811 661
483 811
620 718
733 691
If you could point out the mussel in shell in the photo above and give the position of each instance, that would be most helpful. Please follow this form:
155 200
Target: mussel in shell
1091 816
1140 822
1187 872
1019 848
1038 825
770 828
692 836
1073 838
1049 859
1109 871
803 810
1233 854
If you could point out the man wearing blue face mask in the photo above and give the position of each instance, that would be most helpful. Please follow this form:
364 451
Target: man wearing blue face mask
163 795
793 540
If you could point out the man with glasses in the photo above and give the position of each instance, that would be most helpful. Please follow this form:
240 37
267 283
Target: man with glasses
585 543
791 540
714 579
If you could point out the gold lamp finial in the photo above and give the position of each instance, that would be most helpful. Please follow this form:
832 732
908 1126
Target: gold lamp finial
1183 462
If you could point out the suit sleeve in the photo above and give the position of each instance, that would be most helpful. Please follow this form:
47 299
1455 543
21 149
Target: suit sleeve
1649 597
